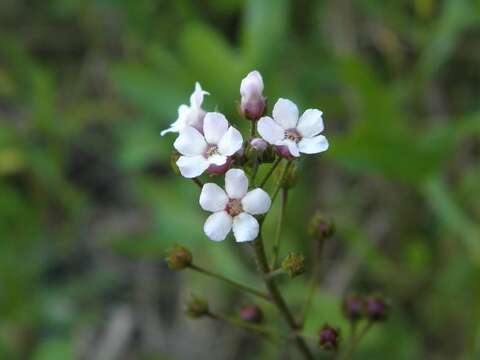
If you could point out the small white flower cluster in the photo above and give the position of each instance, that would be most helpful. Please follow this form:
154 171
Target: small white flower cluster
208 143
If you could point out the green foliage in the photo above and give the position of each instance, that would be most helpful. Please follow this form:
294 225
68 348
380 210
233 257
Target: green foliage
87 195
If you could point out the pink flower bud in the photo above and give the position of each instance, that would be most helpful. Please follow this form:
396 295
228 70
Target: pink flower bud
252 104
251 313
259 144
220 169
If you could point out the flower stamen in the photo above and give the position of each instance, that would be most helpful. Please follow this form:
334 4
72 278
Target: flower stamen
293 134
234 207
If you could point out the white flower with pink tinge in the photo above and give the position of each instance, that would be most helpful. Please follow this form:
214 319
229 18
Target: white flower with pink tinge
290 134
233 208
190 115
211 150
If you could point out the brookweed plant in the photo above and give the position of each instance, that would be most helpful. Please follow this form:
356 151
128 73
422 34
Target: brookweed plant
208 144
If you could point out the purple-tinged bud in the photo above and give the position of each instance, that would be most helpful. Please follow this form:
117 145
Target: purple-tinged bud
197 307
321 227
220 169
259 144
329 337
282 151
376 308
353 307
252 104
294 264
252 314
179 258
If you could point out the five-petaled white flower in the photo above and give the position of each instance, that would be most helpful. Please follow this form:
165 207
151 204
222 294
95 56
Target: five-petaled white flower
286 130
233 208
190 115
213 148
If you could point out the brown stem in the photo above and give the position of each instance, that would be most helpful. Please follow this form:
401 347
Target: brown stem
278 299
198 182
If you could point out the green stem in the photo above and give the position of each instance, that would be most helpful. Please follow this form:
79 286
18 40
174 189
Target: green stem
270 172
280 181
314 279
246 325
277 298
278 233
254 171
253 128
355 341
231 282
198 182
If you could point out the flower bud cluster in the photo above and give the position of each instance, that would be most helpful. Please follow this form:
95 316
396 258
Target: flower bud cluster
374 308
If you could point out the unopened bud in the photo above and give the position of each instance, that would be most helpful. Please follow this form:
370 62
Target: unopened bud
179 258
353 307
197 307
329 337
173 162
220 169
282 151
252 104
257 151
376 308
251 313
294 264
321 227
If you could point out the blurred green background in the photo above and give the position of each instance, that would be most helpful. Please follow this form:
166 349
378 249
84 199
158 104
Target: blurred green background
88 203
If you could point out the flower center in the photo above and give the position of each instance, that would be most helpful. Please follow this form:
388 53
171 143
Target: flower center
234 207
211 150
293 134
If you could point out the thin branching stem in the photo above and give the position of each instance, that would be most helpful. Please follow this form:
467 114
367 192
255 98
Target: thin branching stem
198 182
355 341
314 278
247 325
278 299
278 232
270 171
231 282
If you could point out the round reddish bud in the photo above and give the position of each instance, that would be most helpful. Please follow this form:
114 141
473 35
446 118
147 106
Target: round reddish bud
251 313
253 109
179 258
353 307
197 307
376 308
259 144
321 227
282 151
329 337
220 169
294 264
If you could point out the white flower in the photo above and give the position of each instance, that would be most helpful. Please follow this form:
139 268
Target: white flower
213 148
287 130
252 103
233 208
190 115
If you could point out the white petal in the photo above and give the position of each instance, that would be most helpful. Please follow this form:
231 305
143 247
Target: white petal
310 123
196 99
217 159
313 145
285 113
270 131
218 225
256 202
215 125
192 166
245 227
236 183
231 142
213 198
252 85
292 147
190 142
